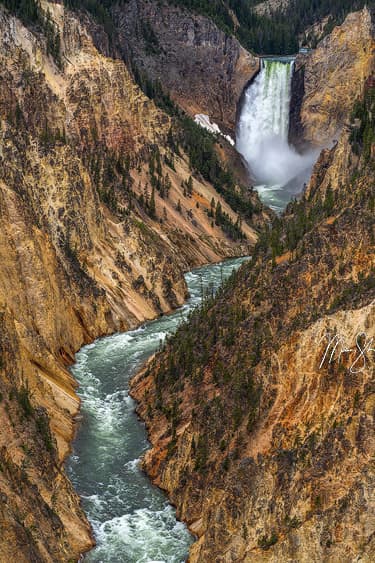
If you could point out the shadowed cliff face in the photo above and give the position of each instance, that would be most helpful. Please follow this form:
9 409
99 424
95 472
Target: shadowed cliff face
328 80
203 69
261 410
80 256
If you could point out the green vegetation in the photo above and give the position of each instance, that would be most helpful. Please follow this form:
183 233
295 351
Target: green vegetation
363 133
352 293
99 10
42 425
265 542
110 174
300 217
161 183
23 398
201 454
187 186
154 91
151 40
278 33
39 415
31 14
273 34
199 145
293 523
223 220
226 320
188 355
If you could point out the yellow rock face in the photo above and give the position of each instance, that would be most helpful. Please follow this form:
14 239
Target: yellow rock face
71 270
334 76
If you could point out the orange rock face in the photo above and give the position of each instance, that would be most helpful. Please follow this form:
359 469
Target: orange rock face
261 411
79 258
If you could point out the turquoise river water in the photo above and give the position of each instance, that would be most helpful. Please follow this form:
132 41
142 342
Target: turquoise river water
132 520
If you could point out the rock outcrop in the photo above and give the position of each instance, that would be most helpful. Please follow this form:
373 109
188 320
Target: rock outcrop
270 7
330 78
202 68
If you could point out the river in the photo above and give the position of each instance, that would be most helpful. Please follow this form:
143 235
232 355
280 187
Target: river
132 520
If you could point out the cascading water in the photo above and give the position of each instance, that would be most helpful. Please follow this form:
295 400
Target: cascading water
262 135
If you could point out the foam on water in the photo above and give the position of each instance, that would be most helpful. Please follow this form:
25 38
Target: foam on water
131 518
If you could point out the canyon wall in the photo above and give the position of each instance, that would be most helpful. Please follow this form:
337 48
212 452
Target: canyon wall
263 432
203 69
80 255
89 245
275 463
328 80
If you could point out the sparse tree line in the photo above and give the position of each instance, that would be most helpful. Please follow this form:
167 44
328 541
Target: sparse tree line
186 355
262 34
187 359
275 34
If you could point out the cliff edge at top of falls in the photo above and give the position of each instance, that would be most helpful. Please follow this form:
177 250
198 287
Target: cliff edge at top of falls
101 213
262 433
328 80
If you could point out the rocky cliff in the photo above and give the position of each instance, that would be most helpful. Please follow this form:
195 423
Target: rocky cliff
203 69
263 432
330 78
98 221
269 7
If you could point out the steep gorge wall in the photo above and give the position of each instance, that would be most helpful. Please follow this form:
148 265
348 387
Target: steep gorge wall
202 68
80 257
328 80
263 432
275 463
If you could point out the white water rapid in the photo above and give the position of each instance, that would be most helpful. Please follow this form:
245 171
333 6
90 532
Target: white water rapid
132 520
262 135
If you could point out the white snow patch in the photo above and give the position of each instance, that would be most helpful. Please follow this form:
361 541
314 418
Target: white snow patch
204 121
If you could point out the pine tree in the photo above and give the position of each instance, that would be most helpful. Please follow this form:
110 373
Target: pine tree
167 185
159 170
212 208
152 206
190 186
218 214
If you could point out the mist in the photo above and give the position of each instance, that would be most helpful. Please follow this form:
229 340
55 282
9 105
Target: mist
274 162
262 136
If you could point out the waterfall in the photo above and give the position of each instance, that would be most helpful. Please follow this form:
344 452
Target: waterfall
262 134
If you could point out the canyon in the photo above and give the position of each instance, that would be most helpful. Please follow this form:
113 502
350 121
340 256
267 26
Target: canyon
101 214
287 473
80 256
266 482
327 81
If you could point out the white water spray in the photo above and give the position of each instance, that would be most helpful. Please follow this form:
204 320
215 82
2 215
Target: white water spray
262 134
